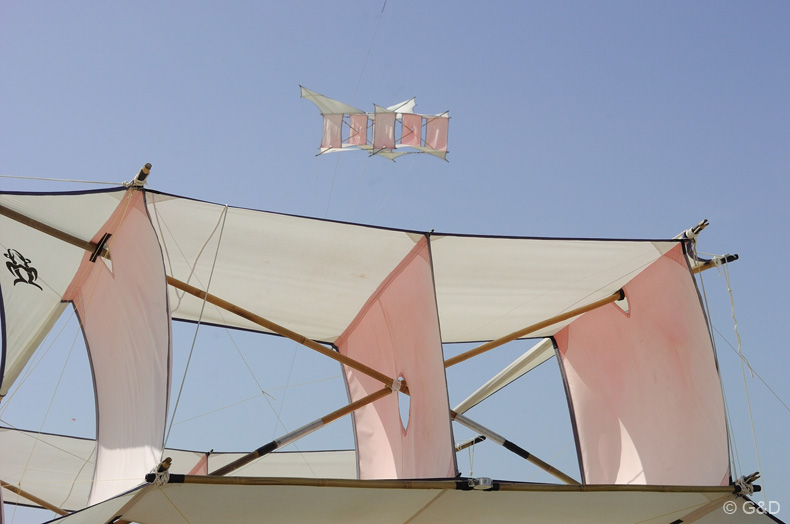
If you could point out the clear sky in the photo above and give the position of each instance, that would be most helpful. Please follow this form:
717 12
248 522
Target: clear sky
580 119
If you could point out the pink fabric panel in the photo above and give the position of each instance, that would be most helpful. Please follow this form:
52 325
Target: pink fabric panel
126 322
358 136
644 387
412 130
436 133
332 128
384 131
397 333
201 468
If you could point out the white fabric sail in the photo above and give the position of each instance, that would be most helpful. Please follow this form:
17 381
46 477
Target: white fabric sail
37 268
314 276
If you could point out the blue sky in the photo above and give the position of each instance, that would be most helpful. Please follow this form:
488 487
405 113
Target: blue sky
581 119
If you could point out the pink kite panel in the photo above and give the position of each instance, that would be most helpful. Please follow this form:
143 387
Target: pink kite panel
358 135
332 130
644 387
397 333
126 322
411 130
384 131
436 132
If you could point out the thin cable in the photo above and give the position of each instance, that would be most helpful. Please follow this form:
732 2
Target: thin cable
23 378
285 392
728 426
49 408
266 398
370 48
193 266
63 180
726 273
353 98
754 372
197 327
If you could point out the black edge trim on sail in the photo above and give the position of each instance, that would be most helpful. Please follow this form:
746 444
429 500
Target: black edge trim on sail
418 232
571 411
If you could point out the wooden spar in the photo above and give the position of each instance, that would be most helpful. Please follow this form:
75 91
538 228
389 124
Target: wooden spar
717 261
301 432
54 232
471 442
439 484
32 498
521 452
619 295
280 330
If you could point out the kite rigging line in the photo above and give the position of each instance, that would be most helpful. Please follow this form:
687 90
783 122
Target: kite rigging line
61 180
197 327
353 99
724 271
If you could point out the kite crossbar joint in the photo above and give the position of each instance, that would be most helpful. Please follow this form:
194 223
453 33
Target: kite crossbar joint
745 485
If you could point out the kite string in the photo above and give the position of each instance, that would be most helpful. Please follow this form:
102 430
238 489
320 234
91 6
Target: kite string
353 99
370 48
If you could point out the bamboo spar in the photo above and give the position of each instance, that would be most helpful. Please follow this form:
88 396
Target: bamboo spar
55 232
32 498
301 432
619 295
280 330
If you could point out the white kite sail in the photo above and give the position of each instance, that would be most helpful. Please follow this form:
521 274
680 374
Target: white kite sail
623 317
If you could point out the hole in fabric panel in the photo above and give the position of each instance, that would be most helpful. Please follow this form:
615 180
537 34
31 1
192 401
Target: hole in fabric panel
403 406
107 263
624 306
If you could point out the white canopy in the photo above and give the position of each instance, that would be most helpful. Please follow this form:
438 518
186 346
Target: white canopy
424 502
313 276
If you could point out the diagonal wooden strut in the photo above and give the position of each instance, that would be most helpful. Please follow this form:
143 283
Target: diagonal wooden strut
619 295
32 498
101 250
301 432
280 330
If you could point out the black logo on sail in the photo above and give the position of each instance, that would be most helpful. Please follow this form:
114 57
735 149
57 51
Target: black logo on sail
20 267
